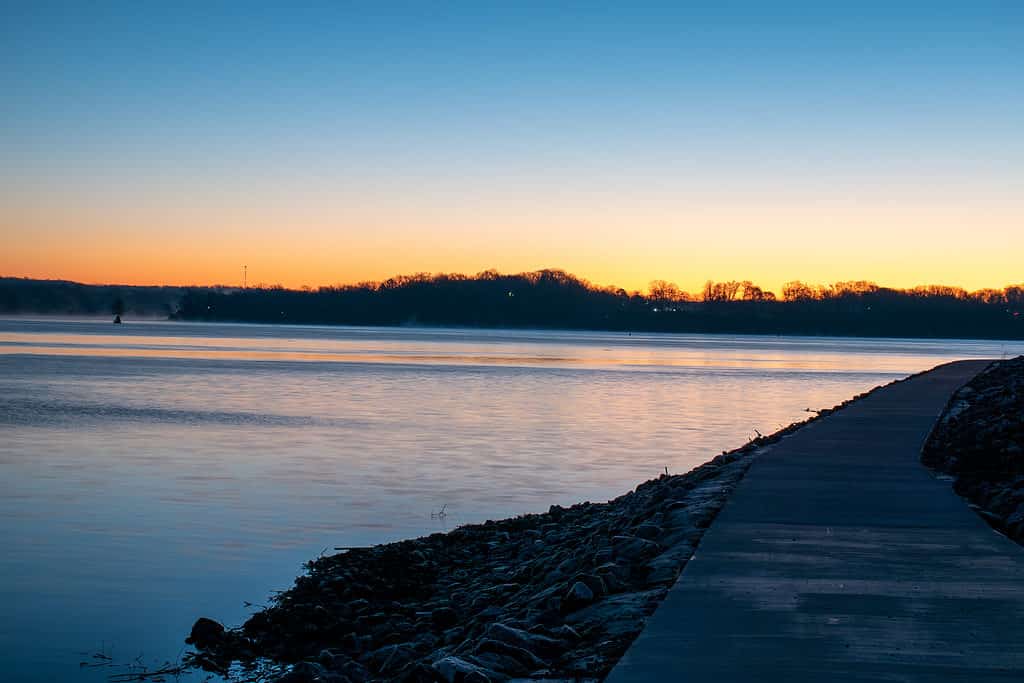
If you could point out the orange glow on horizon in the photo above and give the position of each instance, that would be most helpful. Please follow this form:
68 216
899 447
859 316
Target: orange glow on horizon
627 244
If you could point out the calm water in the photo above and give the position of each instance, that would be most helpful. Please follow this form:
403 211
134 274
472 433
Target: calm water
159 471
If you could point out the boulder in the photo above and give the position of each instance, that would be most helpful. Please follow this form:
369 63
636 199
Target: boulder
665 567
617 615
649 531
444 618
206 634
457 670
594 582
633 549
391 658
578 596
540 645
526 658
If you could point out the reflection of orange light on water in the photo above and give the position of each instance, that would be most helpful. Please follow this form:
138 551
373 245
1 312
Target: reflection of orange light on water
628 357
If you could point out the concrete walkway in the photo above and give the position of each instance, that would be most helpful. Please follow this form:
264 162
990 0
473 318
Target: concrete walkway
840 558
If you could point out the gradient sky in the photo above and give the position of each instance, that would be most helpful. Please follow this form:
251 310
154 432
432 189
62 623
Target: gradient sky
173 143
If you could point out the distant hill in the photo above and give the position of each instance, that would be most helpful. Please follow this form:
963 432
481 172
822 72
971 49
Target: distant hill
557 300
59 297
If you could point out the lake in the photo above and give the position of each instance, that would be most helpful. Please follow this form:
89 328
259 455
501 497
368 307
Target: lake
154 472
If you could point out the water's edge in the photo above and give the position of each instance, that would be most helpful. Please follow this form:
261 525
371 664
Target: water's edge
560 594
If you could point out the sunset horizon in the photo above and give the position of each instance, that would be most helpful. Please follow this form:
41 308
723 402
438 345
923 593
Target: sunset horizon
248 279
327 145
407 341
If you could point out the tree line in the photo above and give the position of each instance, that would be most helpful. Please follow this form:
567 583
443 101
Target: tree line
556 299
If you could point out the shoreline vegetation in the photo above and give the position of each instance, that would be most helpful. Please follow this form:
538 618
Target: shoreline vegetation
554 596
554 299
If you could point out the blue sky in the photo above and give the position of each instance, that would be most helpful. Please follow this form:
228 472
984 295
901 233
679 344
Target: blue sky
459 111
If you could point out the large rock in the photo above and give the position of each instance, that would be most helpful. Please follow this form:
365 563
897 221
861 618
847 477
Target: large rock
594 582
649 532
531 642
665 567
578 596
634 549
529 660
444 618
617 615
457 670
206 634
392 658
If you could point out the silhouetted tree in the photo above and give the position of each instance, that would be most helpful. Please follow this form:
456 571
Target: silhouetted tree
556 299
752 292
665 294
797 291
720 292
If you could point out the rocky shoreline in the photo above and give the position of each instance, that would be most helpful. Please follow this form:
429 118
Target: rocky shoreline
558 595
979 443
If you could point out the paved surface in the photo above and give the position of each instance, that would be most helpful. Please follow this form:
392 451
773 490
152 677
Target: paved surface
840 558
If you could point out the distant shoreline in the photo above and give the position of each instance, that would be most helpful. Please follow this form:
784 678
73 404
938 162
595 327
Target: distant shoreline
553 300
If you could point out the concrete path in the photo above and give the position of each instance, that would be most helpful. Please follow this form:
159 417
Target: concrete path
840 558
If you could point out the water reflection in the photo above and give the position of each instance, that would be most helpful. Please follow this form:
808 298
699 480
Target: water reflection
171 470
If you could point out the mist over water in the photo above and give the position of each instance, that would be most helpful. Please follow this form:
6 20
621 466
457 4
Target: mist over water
156 472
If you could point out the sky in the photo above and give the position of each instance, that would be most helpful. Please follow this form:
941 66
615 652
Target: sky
173 143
